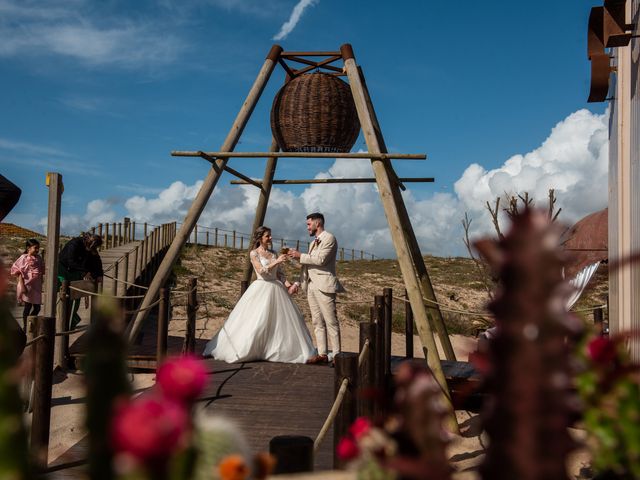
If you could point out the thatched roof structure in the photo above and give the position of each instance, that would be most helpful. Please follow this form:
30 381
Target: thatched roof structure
587 241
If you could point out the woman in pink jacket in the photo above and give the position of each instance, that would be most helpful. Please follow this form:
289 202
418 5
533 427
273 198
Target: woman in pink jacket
29 268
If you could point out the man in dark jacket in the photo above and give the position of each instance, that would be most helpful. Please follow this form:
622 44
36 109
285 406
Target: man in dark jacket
79 259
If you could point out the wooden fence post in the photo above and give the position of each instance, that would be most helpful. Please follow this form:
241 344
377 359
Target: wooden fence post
163 325
61 349
207 237
234 238
40 425
388 327
346 366
408 320
54 182
366 382
244 284
598 320
114 288
215 237
293 454
133 232
379 363
342 254
192 306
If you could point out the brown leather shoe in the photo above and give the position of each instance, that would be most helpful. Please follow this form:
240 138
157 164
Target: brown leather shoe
318 359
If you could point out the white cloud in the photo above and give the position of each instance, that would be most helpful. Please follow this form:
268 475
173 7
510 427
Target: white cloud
97 211
288 26
75 30
573 160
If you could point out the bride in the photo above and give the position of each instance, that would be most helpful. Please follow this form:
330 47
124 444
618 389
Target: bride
265 323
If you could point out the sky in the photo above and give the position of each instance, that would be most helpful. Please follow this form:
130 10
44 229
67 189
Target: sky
493 92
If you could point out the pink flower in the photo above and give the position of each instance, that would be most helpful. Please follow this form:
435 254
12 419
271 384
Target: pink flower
347 449
182 378
360 427
602 350
149 428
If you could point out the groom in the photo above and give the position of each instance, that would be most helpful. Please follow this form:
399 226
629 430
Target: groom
319 280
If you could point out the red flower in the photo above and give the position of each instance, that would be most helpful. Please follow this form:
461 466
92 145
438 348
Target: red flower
149 428
360 427
182 378
347 449
602 350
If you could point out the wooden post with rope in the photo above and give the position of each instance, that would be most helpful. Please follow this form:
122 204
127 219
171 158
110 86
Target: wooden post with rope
346 368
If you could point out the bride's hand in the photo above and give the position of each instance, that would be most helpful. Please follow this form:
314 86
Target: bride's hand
282 258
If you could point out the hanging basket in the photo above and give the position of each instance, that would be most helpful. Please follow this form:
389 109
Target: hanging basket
315 112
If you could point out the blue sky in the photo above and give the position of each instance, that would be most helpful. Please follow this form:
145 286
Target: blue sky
493 92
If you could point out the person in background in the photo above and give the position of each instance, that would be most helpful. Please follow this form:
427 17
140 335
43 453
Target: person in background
29 268
79 260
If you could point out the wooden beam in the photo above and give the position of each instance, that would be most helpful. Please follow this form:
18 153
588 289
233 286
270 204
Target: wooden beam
232 171
390 205
309 54
313 65
322 64
331 180
370 155
182 236
286 68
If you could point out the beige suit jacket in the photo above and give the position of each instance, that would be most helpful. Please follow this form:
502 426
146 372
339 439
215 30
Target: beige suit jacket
319 265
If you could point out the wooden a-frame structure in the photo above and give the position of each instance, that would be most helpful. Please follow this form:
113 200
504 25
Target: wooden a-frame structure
414 272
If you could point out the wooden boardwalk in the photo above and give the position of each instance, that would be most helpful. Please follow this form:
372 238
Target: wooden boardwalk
265 399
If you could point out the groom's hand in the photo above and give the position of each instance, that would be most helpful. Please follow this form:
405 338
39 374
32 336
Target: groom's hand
293 289
293 253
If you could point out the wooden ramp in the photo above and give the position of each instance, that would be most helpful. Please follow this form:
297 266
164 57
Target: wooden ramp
265 399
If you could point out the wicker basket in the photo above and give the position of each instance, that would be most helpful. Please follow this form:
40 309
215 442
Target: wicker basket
315 113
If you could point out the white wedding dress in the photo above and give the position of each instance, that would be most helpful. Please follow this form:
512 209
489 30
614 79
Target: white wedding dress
265 323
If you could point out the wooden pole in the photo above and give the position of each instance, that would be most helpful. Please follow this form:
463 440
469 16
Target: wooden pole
328 181
244 284
215 237
383 173
412 243
207 237
387 293
598 320
366 382
379 376
163 325
43 380
408 320
263 201
61 349
195 234
346 366
192 307
270 154
54 182
208 185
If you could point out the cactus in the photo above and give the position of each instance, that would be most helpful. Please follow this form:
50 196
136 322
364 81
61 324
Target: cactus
216 438
529 381
14 459
106 378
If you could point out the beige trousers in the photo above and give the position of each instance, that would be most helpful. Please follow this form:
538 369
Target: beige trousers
324 319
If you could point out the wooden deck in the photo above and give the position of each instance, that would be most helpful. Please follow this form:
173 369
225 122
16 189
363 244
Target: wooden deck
265 399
